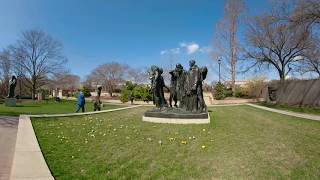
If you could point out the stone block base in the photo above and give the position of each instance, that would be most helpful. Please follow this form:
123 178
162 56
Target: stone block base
10 102
178 120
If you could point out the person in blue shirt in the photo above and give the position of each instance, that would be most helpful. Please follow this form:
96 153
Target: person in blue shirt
80 102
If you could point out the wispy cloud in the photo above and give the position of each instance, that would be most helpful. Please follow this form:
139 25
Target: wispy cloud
187 47
191 47
170 51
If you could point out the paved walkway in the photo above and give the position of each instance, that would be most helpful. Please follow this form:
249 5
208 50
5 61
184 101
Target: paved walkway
8 134
295 114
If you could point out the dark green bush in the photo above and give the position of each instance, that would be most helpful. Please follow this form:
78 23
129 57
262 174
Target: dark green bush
228 92
140 92
86 91
219 91
241 92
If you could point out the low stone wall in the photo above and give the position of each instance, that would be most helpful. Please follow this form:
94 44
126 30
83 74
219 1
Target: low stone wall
298 92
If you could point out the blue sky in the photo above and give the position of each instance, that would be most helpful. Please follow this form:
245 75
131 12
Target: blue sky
136 32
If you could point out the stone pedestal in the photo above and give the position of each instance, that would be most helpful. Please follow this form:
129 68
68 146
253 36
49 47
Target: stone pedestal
10 102
176 116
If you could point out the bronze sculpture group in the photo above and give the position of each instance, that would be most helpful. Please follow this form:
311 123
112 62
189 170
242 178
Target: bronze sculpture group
185 88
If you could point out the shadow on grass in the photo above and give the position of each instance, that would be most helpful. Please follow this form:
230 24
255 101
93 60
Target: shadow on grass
27 105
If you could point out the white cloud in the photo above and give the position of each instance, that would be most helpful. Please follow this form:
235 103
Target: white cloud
170 51
191 47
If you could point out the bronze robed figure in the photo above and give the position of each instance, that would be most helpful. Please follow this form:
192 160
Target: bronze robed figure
157 85
12 86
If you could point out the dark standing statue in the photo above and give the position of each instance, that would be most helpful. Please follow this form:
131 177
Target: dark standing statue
192 86
12 86
97 102
173 88
157 85
203 75
194 93
177 88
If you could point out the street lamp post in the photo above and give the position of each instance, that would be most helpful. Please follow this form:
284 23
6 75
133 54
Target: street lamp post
219 62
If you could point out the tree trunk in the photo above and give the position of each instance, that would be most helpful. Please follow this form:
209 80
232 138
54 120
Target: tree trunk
33 88
33 91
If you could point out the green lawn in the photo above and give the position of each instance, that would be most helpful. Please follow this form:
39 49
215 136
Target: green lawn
46 107
309 110
241 142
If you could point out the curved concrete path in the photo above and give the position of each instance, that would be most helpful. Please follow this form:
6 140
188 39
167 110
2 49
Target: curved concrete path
8 134
289 113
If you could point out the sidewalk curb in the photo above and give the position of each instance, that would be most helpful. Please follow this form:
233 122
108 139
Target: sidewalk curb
294 114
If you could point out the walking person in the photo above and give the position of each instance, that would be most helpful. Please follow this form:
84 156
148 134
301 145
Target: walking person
81 102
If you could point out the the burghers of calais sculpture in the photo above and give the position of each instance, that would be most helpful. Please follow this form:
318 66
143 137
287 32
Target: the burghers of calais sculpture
12 86
157 85
185 88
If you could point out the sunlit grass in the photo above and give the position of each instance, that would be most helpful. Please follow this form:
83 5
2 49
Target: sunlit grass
46 107
240 143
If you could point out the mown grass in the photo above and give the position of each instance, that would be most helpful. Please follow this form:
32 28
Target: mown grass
241 142
46 107
308 110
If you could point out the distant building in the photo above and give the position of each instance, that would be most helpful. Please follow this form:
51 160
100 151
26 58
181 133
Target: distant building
237 83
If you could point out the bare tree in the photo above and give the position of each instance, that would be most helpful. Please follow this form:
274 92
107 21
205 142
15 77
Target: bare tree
5 70
38 55
276 43
109 75
138 76
226 42
306 11
66 81
311 57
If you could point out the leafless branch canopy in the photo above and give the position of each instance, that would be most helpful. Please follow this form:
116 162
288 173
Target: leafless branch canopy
37 55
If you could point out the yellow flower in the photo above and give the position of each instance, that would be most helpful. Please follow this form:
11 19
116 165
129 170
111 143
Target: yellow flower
203 146
203 130
183 142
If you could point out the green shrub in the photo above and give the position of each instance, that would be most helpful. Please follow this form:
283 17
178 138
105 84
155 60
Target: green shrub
241 92
86 91
228 92
140 92
125 95
219 91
